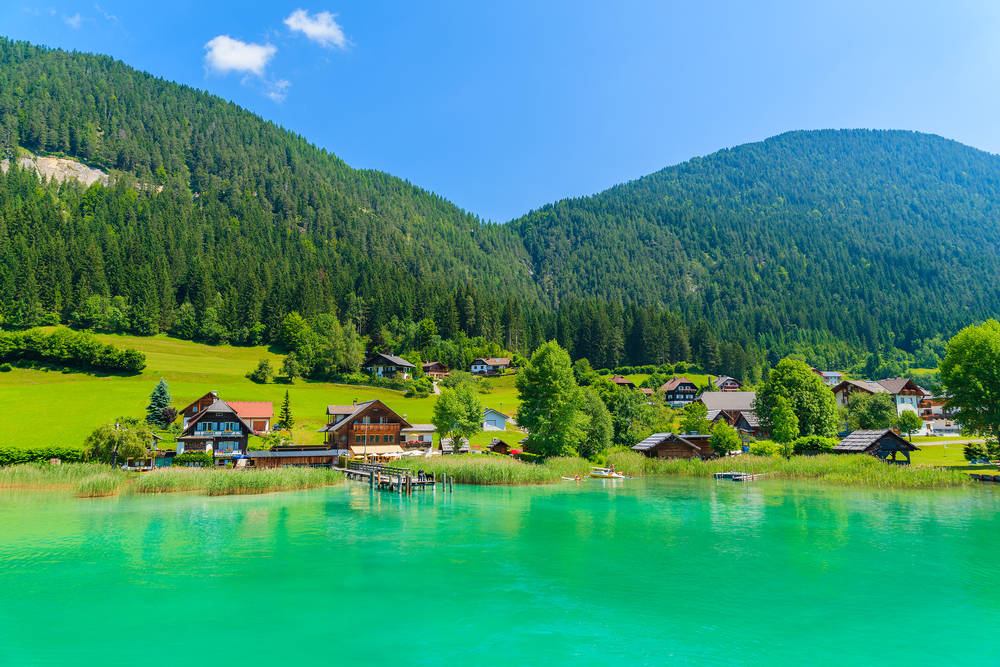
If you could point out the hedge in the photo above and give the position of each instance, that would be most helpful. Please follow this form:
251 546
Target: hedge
528 457
79 349
194 459
14 455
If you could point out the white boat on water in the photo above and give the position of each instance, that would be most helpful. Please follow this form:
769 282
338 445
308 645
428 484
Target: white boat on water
606 473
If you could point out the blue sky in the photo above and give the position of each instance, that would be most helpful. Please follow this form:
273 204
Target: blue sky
503 107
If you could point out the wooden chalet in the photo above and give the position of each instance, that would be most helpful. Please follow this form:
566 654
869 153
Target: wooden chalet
189 411
386 365
673 446
498 446
489 365
906 393
368 428
726 383
217 429
434 369
623 382
882 444
679 391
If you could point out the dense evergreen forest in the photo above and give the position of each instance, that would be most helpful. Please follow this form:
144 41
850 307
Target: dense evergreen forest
850 247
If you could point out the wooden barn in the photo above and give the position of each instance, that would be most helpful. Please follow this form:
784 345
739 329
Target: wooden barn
672 446
498 446
884 444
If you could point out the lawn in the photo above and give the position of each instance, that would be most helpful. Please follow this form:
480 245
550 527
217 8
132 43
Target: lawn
54 407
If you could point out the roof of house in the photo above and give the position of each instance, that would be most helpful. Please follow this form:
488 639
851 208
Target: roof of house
863 385
496 412
673 383
253 409
735 401
391 358
657 438
420 427
350 411
646 390
831 374
218 405
859 441
211 394
897 385
724 379
492 361
618 379
431 364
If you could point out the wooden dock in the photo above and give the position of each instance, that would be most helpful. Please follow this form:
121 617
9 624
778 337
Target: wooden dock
388 478
737 476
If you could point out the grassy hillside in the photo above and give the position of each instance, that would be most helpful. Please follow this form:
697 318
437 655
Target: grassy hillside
51 407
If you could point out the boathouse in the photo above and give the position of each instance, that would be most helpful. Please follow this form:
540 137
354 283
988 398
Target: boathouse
673 446
300 456
884 444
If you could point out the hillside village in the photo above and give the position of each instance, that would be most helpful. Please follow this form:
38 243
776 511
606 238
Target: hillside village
223 432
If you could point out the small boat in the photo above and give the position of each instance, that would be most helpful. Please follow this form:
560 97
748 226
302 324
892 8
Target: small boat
606 473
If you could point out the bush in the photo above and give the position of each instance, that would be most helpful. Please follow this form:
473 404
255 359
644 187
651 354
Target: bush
15 455
6 368
981 451
813 444
63 347
765 448
263 373
419 388
196 459
528 457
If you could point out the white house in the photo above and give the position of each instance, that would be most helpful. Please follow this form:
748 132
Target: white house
489 365
387 365
906 394
494 420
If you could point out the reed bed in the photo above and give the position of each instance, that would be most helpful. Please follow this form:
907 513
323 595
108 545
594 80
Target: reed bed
172 480
46 476
845 469
233 482
483 469
106 483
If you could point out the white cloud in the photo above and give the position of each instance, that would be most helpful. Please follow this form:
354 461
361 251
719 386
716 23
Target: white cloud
225 54
277 90
108 16
73 21
321 27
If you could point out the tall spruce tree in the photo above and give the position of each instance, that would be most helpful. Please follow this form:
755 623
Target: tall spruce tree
158 400
285 419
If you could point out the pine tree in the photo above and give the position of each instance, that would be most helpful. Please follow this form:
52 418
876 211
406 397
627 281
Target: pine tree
158 400
285 419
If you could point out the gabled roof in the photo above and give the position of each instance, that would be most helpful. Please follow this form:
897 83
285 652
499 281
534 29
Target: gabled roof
831 374
673 383
218 405
723 379
212 394
352 411
897 385
862 385
860 441
446 445
623 381
492 361
497 412
735 401
390 359
420 427
657 438
432 364
253 409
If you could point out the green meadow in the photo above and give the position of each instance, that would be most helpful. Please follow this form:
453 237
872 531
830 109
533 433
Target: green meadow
61 407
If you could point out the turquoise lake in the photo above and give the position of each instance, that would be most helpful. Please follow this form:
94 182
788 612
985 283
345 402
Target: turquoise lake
645 572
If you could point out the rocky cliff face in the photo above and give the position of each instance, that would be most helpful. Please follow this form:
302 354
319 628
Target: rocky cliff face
60 169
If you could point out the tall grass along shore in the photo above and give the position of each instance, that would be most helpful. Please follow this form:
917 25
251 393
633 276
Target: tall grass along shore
91 480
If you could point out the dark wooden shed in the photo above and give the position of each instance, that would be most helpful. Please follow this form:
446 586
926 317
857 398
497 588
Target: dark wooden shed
673 446
884 444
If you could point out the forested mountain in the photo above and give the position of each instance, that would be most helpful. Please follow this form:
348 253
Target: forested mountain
870 237
217 224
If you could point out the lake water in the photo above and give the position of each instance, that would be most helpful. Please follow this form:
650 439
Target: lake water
646 572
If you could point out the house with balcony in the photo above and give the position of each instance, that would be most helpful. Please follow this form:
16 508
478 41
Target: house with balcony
218 430
360 429
726 383
434 369
678 392
418 435
906 394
